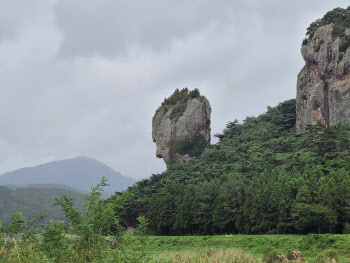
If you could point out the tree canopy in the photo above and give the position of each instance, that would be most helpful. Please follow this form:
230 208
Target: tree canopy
261 177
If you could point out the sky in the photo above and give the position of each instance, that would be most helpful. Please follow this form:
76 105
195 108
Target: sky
84 77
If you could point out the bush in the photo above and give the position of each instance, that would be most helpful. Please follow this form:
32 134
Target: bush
269 255
346 229
345 44
194 146
178 110
194 93
272 232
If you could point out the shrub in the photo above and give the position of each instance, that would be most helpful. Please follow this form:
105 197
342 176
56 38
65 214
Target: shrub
193 146
272 232
97 219
194 93
345 44
346 229
269 255
54 242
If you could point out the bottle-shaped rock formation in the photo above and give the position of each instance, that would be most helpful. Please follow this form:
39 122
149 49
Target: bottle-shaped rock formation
181 127
323 89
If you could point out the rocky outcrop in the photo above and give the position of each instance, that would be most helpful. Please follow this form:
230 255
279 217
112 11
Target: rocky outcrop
181 126
296 257
110 241
323 87
281 258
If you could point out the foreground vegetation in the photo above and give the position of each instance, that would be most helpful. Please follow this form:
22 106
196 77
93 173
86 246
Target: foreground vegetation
136 247
82 239
314 247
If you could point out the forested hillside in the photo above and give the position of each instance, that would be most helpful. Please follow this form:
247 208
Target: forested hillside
33 200
261 177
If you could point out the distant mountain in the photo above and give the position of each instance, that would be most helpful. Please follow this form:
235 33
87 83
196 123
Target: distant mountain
32 201
79 172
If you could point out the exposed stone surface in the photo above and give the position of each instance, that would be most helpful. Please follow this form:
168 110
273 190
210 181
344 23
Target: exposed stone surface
297 256
323 88
166 131
281 258
111 241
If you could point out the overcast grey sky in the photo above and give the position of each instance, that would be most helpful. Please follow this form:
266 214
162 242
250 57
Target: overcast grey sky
84 77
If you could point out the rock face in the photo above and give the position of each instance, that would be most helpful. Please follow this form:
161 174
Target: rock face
181 126
296 257
323 87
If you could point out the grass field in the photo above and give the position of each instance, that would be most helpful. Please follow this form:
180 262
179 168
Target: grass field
315 248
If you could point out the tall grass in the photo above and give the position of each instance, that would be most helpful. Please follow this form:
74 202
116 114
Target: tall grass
208 256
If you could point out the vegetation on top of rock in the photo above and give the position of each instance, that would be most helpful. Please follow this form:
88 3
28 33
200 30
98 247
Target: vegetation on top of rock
178 102
339 17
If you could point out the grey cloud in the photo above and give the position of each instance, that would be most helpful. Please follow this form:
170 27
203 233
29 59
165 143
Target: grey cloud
113 27
7 29
17 14
85 77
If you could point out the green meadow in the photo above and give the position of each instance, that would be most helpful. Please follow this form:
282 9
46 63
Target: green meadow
314 248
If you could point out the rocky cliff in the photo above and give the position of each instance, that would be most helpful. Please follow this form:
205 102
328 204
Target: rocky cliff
323 87
181 126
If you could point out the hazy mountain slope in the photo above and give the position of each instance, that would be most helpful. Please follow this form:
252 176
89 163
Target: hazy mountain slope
79 172
32 201
104 194
45 186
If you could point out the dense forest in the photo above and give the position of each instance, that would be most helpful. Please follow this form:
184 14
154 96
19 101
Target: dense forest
261 177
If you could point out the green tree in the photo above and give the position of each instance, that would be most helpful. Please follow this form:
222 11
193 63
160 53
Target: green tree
313 217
